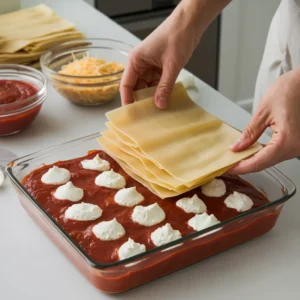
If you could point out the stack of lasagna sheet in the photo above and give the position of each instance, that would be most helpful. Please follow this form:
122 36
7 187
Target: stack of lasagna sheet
174 150
27 33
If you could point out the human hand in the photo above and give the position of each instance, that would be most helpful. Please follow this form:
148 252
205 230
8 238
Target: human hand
158 61
280 110
160 57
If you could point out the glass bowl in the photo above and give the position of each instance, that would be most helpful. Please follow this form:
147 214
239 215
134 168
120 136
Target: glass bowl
16 116
85 90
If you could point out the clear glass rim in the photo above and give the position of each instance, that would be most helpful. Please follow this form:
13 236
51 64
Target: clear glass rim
18 71
86 44
289 191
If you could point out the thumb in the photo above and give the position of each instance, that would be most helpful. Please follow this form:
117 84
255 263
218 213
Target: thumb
252 132
165 87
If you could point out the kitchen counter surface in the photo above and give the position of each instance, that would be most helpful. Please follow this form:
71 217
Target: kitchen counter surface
31 267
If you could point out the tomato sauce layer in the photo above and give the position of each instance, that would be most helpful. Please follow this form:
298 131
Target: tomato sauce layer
106 251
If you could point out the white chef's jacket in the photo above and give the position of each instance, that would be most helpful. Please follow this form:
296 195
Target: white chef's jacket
282 50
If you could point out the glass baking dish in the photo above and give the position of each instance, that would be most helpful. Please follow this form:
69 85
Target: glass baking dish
126 274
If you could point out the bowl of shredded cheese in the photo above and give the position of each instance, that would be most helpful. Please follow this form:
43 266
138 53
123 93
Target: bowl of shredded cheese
86 72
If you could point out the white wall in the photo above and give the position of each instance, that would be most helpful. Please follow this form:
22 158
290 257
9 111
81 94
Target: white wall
245 25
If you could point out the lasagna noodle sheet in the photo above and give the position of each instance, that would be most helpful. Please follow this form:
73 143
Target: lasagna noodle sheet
142 166
166 179
123 137
170 151
21 58
50 40
32 31
156 189
25 35
184 140
129 146
133 163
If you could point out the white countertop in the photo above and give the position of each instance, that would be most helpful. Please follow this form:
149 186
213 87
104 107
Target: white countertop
31 267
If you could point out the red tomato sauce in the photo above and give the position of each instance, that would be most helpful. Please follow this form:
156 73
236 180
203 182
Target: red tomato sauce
15 90
12 94
106 251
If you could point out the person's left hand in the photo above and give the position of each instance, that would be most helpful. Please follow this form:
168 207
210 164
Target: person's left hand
280 110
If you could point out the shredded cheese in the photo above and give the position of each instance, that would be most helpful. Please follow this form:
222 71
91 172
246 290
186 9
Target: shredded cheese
89 67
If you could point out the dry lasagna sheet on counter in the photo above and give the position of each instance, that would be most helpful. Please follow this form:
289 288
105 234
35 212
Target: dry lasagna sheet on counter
27 33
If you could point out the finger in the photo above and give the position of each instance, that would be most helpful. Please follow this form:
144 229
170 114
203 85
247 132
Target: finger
165 87
252 132
270 155
141 84
128 82
150 75
153 83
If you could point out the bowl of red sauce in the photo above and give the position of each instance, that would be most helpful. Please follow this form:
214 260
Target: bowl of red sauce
22 93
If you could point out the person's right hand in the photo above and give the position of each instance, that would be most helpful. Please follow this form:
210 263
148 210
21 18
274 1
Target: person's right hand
158 60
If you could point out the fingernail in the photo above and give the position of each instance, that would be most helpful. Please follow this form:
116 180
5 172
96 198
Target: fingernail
162 102
233 145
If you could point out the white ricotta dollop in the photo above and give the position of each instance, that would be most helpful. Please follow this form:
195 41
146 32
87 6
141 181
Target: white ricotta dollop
202 221
214 188
130 248
128 197
164 235
239 201
110 179
56 175
69 192
96 164
192 205
109 230
83 212
148 215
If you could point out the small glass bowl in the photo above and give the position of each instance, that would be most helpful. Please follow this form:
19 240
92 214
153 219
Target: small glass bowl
85 90
16 116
